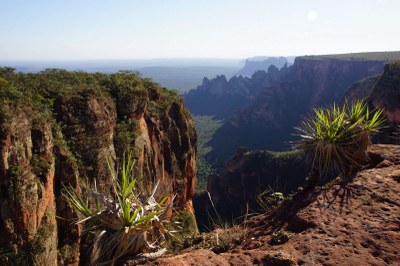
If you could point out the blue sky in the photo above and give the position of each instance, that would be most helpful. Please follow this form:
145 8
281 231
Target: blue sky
123 29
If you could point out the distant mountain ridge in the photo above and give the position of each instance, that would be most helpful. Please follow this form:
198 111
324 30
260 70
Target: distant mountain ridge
259 63
220 97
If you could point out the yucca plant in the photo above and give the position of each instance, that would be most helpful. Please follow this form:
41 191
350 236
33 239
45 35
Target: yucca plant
130 223
335 139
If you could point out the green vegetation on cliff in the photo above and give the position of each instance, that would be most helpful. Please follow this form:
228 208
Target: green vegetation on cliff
130 93
206 126
56 130
373 56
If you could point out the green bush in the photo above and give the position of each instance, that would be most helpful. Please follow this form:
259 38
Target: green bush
131 223
336 138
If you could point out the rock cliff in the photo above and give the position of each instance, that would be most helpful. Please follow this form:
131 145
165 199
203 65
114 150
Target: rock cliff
246 176
382 91
386 93
361 89
220 97
268 121
58 129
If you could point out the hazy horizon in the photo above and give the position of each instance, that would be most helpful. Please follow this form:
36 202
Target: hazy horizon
72 30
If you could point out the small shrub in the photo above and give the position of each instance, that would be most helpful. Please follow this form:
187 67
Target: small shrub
40 165
220 240
16 175
3 82
227 239
126 133
183 223
5 255
67 252
42 235
335 139
132 223
223 235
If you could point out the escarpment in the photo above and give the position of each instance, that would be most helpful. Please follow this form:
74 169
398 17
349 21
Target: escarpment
220 97
386 93
61 129
382 91
268 120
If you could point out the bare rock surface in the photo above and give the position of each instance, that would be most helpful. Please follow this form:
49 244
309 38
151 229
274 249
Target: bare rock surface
354 222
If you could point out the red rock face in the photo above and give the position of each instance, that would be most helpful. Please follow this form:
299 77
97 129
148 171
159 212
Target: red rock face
27 200
360 90
382 91
39 157
90 121
328 79
166 145
386 93
244 177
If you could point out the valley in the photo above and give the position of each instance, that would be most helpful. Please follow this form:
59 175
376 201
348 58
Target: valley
228 161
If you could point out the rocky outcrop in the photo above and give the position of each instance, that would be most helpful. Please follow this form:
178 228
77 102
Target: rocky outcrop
220 97
361 89
382 91
343 223
386 93
27 197
59 129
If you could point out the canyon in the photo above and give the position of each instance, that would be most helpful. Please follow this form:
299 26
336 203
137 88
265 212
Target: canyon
62 129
